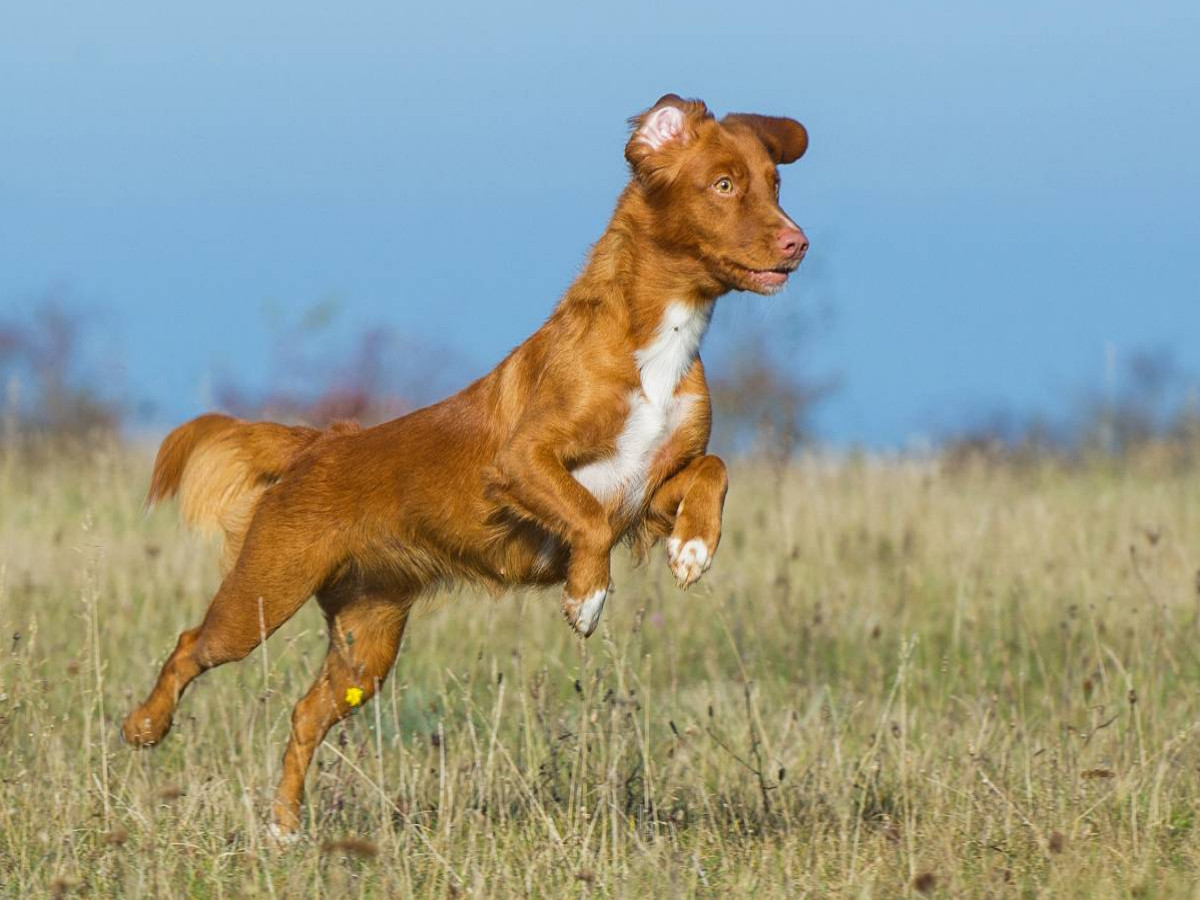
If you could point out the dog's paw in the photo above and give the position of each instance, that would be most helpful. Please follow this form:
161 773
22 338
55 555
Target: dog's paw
688 560
282 837
140 730
583 614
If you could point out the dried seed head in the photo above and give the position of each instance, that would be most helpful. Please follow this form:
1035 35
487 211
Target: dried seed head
1056 842
925 882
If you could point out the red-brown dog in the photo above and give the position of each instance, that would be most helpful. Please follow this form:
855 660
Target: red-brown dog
591 432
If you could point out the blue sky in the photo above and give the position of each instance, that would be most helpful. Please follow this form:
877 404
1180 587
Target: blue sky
995 193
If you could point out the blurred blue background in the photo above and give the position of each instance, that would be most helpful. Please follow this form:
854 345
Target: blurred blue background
1002 198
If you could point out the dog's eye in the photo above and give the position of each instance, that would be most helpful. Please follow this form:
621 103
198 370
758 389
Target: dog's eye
723 185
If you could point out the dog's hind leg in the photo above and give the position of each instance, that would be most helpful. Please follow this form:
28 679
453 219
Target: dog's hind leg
279 568
364 636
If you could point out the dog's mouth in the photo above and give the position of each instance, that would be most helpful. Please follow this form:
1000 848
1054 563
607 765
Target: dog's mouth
763 281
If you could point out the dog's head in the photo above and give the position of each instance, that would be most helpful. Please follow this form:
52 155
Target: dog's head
713 189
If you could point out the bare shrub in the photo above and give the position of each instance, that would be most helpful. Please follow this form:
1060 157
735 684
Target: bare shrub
51 390
764 393
1148 411
312 379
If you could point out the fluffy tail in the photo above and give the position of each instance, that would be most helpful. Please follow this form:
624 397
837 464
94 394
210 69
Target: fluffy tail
219 467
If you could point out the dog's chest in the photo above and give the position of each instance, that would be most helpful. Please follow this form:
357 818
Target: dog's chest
655 411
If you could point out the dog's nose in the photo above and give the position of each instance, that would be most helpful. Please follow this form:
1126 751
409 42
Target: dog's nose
793 243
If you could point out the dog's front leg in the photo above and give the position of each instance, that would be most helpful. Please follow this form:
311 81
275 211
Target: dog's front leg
534 481
694 498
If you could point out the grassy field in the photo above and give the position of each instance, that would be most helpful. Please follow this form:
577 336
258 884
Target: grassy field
899 678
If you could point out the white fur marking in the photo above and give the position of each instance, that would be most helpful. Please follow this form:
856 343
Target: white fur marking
655 412
661 126
276 833
588 612
688 561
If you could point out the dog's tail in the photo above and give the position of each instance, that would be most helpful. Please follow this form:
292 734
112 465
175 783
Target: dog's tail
219 467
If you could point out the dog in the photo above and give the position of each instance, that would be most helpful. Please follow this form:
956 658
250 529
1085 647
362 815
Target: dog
592 432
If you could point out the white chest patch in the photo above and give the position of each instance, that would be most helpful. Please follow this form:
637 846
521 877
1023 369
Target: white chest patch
655 412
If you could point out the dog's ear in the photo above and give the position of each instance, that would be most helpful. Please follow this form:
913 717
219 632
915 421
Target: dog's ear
785 139
667 125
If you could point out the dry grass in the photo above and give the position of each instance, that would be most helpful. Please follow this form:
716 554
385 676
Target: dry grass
896 680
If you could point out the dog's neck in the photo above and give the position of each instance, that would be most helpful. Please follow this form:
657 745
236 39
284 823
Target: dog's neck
640 274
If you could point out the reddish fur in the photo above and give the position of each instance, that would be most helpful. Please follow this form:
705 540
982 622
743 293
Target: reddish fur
478 487
177 448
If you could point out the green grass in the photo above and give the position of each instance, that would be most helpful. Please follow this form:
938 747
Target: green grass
897 677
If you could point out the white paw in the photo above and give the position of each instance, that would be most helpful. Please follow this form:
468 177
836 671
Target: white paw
584 614
688 561
281 836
